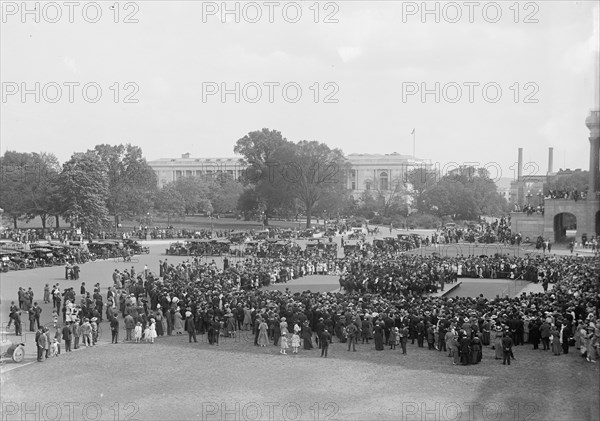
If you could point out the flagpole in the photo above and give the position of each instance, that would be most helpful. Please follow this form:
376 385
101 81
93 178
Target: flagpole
414 133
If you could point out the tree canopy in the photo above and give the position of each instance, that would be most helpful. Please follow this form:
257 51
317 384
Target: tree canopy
84 189
284 176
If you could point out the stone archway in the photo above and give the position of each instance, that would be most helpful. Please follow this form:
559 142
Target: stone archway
563 222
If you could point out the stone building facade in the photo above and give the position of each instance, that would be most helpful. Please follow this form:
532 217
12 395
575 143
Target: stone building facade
368 172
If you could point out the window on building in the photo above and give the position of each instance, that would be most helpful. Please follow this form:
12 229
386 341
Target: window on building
368 185
188 173
177 174
353 185
383 180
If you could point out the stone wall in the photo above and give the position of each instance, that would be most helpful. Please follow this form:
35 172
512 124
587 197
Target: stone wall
530 226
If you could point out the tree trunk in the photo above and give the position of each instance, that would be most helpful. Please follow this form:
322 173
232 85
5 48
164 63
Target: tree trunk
15 222
308 216
57 223
44 217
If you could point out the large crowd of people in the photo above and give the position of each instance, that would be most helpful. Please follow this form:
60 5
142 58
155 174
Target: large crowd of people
383 298
497 231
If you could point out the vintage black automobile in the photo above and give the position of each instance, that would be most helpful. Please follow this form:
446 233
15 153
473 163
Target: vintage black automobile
136 247
254 248
80 252
238 237
351 247
44 256
320 247
7 260
177 249
261 234
29 258
389 244
106 249
206 247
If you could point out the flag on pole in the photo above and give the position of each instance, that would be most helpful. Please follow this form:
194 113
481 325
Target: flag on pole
413 131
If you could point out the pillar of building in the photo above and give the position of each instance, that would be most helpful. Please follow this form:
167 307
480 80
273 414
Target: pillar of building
593 123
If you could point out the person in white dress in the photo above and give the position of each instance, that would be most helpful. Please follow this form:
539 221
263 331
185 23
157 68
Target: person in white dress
152 331
138 332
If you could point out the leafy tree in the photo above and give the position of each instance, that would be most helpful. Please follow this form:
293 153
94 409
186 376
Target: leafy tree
264 152
224 193
314 174
13 182
43 197
250 204
132 182
169 201
576 180
84 190
464 194
285 175
418 181
195 193
28 187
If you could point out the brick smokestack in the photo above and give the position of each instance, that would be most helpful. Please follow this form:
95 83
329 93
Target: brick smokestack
520 163
550 160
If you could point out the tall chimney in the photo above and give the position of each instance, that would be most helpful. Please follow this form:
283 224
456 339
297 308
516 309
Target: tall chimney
550 160
520 163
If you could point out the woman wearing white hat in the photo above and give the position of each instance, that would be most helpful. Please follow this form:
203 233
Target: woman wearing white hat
178 322
498 342
263 338
283 326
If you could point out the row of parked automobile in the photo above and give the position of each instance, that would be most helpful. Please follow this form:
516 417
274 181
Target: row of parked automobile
18 256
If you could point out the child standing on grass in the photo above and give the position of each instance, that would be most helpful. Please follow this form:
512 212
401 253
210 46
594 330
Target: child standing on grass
295 342
152 330
284 344
138 332
147 334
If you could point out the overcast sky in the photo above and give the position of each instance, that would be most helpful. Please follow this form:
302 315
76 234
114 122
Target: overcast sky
357 62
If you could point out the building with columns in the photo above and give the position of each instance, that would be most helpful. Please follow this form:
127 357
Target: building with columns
170 169
380 172
376 172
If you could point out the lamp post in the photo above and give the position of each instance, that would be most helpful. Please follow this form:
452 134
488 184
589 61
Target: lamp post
540 196
528 196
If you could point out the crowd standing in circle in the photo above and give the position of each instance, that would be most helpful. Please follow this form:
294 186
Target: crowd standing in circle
383 301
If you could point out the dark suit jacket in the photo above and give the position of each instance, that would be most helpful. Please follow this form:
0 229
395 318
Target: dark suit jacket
325 339
507 343
67 333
